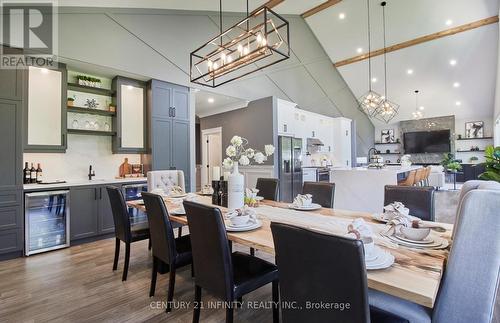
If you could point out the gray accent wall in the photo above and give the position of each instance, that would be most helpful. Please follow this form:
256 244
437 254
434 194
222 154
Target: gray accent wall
258 126
156 44
429 124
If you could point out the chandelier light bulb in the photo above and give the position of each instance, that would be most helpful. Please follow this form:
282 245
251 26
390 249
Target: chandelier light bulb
223 58
246 51
215 66
229 59
259 38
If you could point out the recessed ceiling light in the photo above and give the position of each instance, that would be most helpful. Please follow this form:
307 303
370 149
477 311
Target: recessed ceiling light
341 15
359 50
421 108
409 71
211 100
374 79
449 22
453 62
458 103
456 84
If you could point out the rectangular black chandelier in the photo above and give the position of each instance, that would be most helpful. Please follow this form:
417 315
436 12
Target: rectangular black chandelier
258 41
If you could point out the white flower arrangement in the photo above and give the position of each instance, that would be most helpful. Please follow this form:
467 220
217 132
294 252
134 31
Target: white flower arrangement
237 152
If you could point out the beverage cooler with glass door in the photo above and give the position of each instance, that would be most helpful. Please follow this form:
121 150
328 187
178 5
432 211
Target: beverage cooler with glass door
46 221
133 192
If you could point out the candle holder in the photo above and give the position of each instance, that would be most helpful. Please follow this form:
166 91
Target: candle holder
216 193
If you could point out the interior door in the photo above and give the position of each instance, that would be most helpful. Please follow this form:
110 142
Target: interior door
212 151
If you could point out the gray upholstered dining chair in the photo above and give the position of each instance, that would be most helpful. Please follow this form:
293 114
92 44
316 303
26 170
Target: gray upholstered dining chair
470 281
165 180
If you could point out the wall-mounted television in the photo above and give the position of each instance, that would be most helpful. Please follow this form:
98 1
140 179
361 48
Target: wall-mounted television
427 142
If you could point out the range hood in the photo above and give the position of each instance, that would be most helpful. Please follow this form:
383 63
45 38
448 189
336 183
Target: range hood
314 142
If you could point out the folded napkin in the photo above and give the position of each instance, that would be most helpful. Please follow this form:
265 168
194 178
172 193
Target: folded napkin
302 200
359 229
397 215
244 211
251 192
175 190
396 208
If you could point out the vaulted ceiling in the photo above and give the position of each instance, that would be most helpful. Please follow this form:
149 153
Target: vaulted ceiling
425 66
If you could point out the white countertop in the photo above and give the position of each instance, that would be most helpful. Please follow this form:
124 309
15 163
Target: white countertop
389 169
94 181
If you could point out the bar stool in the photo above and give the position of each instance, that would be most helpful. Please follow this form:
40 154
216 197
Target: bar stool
409 180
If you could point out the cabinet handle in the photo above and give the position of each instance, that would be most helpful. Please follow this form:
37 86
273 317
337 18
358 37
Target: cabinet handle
313 134
63 140
284 128
173 168
100 193
173 112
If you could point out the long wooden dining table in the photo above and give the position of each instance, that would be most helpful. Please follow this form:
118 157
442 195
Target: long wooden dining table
415 275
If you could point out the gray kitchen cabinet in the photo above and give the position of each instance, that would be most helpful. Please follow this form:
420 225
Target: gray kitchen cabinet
180 148
105 215
11 180
83 212
161 144
170 127
45 104
130 122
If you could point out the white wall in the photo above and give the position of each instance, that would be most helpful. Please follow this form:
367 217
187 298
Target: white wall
82 151
497 97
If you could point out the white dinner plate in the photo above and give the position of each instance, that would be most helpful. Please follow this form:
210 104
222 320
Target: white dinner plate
438 243
384 260
426 241
176 196
311 207
250 226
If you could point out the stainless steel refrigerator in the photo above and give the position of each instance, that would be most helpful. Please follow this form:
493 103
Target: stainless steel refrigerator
290 167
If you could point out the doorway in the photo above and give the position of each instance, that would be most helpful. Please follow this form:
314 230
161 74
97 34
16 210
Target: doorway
211 152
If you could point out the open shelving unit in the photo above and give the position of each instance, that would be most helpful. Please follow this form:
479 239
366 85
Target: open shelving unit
91 132
90 111
89 89
483 138
387 143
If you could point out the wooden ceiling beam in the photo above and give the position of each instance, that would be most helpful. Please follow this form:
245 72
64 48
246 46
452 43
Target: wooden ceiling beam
420 40
270 4
319 8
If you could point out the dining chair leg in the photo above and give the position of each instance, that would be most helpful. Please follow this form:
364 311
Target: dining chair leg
192 269
229 314
240 302
180 232
127 260
154 273
171 286
252 252
197 304
117 253
276 299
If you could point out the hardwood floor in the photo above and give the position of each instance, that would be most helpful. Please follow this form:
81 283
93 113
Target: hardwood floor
78 285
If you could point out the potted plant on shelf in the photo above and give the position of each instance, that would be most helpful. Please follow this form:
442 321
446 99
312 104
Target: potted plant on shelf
492 167
237 153
70 102
474 159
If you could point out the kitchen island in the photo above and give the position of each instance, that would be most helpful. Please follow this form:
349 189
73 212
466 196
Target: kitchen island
362 188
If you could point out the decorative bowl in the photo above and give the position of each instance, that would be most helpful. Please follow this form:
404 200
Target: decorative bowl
416 234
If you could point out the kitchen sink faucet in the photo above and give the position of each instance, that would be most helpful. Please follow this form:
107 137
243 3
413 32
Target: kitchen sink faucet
91 173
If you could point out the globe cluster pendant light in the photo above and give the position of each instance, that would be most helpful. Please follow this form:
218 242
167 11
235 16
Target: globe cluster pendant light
387 110
417 114
258 41
370 101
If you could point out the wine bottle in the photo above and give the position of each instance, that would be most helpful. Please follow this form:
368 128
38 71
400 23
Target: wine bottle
32 174
26 173
39 174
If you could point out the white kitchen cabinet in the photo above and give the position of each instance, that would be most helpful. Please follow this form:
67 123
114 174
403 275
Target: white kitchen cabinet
287 123
342 141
